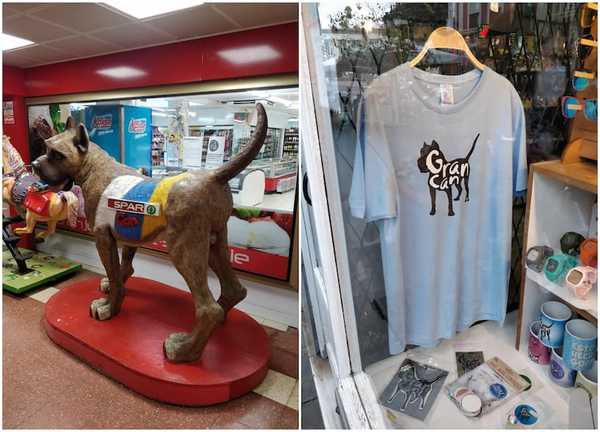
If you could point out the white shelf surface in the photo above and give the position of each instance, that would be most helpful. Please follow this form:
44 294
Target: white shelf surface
279 202
562 291
493 340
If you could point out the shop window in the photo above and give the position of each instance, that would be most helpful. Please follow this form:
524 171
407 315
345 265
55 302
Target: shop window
165 136
535 46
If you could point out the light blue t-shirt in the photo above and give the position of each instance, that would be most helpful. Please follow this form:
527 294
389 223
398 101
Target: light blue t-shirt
438 159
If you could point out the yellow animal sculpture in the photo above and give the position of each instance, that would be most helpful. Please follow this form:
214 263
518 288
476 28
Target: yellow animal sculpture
23 190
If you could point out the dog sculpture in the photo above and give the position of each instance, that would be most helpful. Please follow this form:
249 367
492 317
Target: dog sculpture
24 191
126 208
444 174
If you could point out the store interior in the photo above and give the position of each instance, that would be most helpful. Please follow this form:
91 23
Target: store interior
165 92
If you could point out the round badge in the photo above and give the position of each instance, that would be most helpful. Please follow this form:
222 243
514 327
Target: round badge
151 210
471 405
556 370
498 390
526 414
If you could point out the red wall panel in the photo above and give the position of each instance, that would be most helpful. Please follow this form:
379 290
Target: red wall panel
13 81
260 52
13 88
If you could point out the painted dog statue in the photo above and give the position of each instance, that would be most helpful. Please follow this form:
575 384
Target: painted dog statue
125 208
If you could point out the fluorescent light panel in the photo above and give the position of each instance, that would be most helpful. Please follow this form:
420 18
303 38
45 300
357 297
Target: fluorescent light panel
249 55
122 72
10 42
147 9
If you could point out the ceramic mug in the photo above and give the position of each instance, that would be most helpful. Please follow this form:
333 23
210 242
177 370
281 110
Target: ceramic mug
579 346
554 316
538 352
559 372
588 379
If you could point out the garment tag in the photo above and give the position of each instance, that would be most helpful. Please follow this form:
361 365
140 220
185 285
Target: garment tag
447 94
494 7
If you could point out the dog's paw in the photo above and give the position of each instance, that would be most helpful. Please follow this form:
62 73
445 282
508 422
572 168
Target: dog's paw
450 213
104 285
178 348
100 309
432 213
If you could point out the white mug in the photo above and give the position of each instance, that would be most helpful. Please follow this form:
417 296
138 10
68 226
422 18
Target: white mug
588 379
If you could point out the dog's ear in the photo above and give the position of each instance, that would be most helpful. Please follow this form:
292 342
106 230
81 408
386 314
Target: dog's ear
434 144
81 139
70 124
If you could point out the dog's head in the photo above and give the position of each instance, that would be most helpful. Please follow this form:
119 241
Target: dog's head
65 153
425 150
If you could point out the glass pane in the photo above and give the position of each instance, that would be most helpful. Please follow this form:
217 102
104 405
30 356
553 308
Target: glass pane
166 136
429 167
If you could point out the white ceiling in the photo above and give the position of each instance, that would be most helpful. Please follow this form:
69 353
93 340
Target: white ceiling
68 31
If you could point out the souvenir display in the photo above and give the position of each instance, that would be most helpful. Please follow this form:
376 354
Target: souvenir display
467 361
580 344
536 257
589 252
486 387
554 316
588 379
522 416
413 389
557 266
559 372
538 352
570 242
580 280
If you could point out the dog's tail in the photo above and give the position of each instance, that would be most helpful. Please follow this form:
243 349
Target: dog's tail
232 168
472 148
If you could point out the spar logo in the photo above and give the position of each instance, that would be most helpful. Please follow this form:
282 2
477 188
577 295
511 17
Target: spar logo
137 126
102 122
144 208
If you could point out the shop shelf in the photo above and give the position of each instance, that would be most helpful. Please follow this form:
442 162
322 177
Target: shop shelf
590 305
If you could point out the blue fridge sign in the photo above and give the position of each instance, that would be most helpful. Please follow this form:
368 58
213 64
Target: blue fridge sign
138 137
103 124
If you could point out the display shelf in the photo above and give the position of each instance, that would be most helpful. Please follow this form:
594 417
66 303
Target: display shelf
561 198
590 305
583 175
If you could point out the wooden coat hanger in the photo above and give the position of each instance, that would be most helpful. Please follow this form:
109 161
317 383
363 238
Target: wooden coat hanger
448 38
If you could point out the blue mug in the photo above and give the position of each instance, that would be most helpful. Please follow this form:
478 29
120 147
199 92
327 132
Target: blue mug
579 346
559 372
553 318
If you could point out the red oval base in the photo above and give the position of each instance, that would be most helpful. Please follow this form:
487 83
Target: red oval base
129 347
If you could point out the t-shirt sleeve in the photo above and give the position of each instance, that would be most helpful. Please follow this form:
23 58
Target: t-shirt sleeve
519 144
373 192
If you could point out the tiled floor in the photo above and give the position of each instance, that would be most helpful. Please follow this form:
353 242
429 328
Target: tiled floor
46 387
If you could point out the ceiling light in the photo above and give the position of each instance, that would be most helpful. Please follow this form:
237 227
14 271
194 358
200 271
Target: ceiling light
122 72
10 42
147 9
255 54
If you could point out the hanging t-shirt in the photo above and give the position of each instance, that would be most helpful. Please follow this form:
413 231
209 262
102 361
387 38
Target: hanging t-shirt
438 159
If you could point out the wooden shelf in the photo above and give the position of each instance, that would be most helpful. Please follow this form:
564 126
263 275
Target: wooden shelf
583 175
588 308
